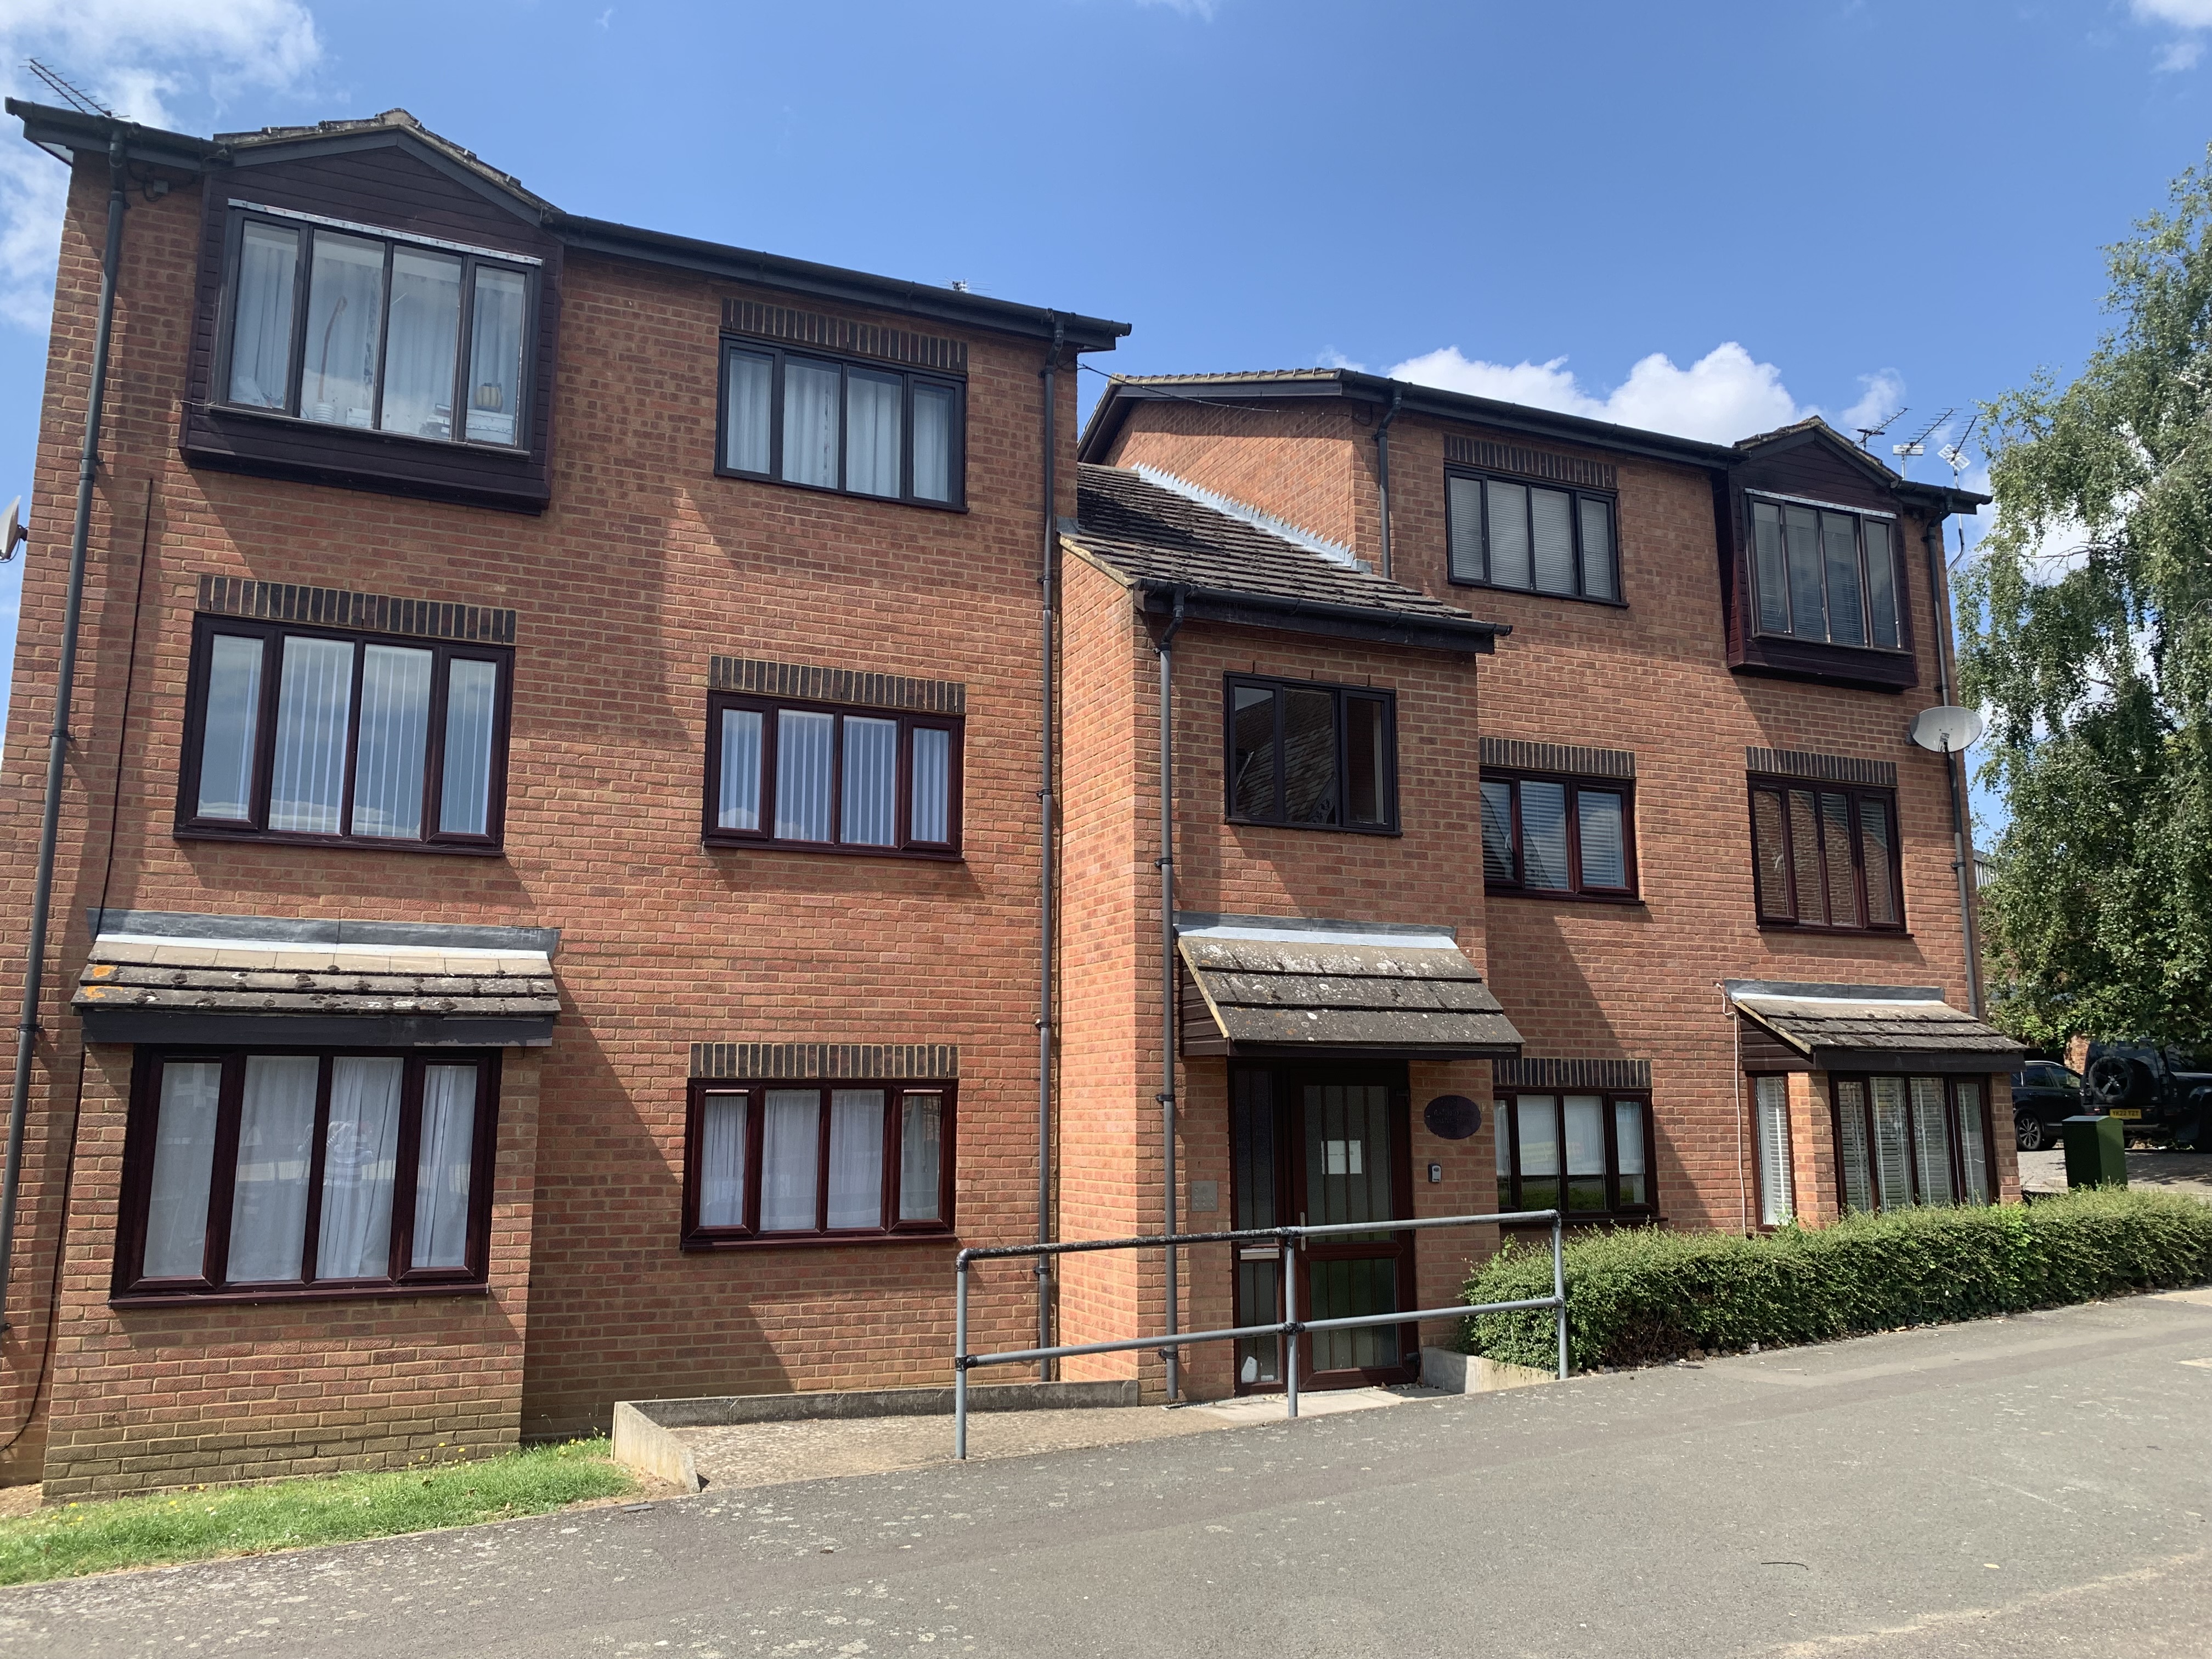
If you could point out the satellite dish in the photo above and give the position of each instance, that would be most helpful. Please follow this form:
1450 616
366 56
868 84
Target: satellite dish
1946 730
12 533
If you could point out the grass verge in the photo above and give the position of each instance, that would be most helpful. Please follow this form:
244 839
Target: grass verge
1641 1296
66 1540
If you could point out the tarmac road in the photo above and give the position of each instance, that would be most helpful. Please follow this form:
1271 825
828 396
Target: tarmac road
2027 1486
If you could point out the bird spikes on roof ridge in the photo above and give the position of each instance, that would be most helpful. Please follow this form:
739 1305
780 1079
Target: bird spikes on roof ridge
1335 552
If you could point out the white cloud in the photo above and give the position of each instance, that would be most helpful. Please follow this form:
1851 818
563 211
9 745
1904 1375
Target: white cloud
1725 395
1883 396
2179 55
139 57
2187 14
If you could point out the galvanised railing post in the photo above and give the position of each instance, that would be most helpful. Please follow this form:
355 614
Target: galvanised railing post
960 1357
1559 1287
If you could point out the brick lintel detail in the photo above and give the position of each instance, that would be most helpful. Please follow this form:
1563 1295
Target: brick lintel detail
1515 755
1828 769
1535 1073
372 613
845 685
841 334
747 1062
1530 463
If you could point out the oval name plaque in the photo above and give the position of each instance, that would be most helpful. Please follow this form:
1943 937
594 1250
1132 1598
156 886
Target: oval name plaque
1452 1117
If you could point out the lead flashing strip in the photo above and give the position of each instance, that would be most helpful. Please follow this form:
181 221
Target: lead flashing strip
286 933
1531 1073
1517 755
371 613
1827 769
746 1062
850 686
1313 930
841 334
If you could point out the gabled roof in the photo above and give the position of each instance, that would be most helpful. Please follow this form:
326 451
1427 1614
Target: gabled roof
1161 543
71 130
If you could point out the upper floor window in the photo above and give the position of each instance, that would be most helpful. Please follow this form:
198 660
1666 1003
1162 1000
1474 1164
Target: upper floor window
791 1163
1826 857
1825 573
1322 757
1589 1155
379 332
828 779
307 1172
854 427
1558 836
1506 534
340 738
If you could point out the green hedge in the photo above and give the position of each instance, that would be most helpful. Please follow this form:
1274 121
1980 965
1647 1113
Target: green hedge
1639 1296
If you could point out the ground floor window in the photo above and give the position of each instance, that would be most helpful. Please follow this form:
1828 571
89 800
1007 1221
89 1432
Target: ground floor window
1590 1155
781 1162
1777 1198
1903 1141
287 1170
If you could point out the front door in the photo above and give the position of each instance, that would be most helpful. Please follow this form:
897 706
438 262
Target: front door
1313 1145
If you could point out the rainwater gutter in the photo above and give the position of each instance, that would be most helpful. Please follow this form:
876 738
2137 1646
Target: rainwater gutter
58 744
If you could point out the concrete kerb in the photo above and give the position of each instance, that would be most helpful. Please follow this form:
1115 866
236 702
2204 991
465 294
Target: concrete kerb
1461 1373
642 1428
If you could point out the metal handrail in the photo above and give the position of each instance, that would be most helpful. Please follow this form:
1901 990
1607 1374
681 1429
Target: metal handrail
1290 1327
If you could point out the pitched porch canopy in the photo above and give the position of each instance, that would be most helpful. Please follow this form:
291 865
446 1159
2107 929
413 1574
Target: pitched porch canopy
165 976
1277 987
1792 1026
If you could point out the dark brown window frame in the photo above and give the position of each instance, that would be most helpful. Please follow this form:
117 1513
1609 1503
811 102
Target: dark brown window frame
955 465
305 226
129 1286
1899 594
1865 1081
714 834
1506 1125
1389 759
749 1236
1576 492
1760 782
191 826
1518 887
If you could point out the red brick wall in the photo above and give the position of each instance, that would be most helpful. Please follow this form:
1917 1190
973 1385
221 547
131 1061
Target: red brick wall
645 566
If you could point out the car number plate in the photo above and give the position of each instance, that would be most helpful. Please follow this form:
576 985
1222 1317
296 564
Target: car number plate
2127 1112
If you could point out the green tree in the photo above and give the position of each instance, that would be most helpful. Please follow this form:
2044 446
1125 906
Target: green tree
2085 636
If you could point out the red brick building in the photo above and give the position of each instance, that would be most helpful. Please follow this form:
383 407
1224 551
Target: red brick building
612 823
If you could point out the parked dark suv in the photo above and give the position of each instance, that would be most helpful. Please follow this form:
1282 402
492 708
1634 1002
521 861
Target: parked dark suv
2044 1093
2160 1094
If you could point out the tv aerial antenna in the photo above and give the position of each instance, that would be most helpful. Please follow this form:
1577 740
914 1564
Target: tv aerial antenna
1869 433
1917 443
1953 455
82 101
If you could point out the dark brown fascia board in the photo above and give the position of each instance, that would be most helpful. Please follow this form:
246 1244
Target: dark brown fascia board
523 205
1156 598
1941 500
1321 1053
1106 418
73 131
1937 498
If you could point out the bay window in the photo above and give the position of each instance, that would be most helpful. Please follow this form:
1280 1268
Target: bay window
1825 573
1558 836
307 1172
861 429
348 739
1904 1141
768 1163
1589 1155
1827 856
344 325
826 778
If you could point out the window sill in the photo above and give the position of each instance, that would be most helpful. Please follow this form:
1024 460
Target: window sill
270 444
1866 667
708 1243
960 505
1538 593
1328 829
300 1293
1492 889
342 843
814 848
1804 931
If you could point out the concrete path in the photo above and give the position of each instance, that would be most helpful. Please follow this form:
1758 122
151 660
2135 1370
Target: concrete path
2152 1169
2029 1486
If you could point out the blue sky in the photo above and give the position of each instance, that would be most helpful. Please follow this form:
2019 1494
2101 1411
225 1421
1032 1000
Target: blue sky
1706 218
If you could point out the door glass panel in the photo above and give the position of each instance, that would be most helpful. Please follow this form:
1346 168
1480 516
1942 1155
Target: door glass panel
275 1146
261 339
1252 752
1893 1156
1585 1120
1628 1144
1259 1283
1536 1118
233 716
1931 1140
1347 1128
1544 834
423 343
1851 1146
1974 1149
184 1169
345 301
1309 756
1344 1289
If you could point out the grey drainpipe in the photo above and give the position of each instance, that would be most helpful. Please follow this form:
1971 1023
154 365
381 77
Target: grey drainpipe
42 886
1166 865
1383 471
1931 539
1048 919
